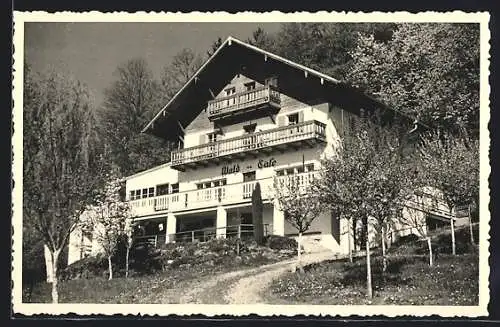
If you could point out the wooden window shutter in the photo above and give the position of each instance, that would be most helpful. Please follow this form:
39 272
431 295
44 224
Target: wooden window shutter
301 116
281 121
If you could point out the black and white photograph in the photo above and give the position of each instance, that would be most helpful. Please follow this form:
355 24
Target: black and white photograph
266 163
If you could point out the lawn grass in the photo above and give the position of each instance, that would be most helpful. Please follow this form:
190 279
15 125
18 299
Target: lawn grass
136 289
158 287
453 280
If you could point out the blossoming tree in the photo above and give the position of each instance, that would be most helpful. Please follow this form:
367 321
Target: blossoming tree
109 220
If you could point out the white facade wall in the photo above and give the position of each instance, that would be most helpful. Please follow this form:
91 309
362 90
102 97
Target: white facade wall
189 179
151 178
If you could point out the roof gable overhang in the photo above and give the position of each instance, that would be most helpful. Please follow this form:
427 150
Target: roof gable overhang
235 56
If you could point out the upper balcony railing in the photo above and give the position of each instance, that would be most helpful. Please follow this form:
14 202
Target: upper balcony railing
240 102
308 132
214 196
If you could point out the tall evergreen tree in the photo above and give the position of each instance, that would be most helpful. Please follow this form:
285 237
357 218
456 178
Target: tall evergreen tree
257 215
325 47
262 40
215 45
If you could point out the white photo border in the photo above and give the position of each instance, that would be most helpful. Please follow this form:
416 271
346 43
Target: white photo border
19 18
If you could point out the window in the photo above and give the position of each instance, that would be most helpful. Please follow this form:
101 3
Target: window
250 128
248 177
230 91
175 188
210 184
162 189
212 137
293 119
295 169
220 182
250 86
148 192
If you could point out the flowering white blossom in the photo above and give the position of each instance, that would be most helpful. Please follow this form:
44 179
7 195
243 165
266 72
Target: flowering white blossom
109 219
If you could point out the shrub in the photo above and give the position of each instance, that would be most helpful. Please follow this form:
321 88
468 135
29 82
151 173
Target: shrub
89 267
218 253
221 245
144 259
276 242
407 239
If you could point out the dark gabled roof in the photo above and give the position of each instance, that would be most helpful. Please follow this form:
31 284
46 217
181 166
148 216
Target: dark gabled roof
235 56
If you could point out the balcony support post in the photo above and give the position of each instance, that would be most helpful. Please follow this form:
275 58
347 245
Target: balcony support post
171 228
278 220
221 222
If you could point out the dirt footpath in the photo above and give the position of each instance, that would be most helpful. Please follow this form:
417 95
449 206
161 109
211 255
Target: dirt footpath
243 286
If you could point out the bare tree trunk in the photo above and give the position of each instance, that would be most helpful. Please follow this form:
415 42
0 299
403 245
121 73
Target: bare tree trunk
384 258
470 228
429 245
349 239
55 291
369 290
127 261
354 234
453 246
299 241
110 268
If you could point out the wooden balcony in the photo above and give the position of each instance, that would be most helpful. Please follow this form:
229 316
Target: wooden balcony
307 133
262 98
211 197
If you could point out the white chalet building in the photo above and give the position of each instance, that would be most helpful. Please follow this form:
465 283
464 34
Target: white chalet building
246 116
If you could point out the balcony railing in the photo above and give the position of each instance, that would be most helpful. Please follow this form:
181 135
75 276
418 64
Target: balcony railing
211 197
252 99
240 231
308 131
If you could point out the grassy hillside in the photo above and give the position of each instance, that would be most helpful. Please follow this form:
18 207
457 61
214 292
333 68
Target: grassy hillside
159 272
453 280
